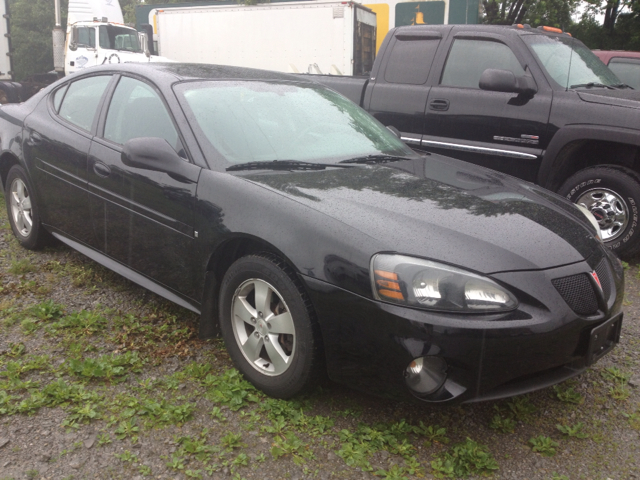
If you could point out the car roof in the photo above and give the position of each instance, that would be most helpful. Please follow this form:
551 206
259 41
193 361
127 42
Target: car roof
607 55
169 73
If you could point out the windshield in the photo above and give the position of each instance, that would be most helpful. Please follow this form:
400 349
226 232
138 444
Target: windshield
119 38
568 62
261 121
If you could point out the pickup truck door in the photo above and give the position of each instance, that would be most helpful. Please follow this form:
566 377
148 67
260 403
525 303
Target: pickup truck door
398 92
503 131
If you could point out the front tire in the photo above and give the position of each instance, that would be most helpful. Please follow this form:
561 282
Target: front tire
23 212
269 327
612 195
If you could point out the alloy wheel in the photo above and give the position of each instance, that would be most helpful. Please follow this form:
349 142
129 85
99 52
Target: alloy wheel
21 209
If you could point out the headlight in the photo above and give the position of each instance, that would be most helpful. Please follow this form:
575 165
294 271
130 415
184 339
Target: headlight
424 284
591 219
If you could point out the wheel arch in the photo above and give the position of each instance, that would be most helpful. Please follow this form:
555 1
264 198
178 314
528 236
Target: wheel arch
577 147
221 258
7 160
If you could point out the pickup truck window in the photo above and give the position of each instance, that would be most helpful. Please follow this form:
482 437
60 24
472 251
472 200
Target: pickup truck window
410 60
469 58
568 62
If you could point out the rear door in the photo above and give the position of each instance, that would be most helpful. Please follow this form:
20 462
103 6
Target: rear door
503 131
57 141
398 93
145 217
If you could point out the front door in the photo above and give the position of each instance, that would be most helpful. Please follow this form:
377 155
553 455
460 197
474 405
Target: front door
146 217
503 131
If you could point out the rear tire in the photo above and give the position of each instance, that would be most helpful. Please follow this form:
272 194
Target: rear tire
269 327
23 212
612 194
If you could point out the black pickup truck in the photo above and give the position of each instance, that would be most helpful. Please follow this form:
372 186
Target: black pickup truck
532 102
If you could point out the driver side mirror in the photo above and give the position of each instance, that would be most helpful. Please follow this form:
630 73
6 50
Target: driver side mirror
144 41
151 153
73 39
494 80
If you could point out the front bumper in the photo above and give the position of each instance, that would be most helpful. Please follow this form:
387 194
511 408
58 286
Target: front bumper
369 344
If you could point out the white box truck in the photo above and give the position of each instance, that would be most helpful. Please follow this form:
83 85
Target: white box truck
299 37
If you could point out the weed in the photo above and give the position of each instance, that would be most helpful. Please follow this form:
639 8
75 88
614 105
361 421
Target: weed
47 310
15 350
290 444
79 324
543 445
555 476
144 470
568 395
465 459
127 456
127 428
633 418
31 473
521 408
614 374
231 390
576 431
232 440
619 392
21 267
432 433
106 367
104 439
502 424
217 413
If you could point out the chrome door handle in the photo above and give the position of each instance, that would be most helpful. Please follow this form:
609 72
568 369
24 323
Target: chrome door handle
35 139
439 105
101 169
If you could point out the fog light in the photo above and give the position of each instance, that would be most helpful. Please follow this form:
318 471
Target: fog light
425 375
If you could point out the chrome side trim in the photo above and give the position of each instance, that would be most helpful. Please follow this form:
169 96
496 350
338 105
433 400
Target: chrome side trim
483 150
411 140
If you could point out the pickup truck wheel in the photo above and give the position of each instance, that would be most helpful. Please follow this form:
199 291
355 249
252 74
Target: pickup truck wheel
612 195
23 211
268 325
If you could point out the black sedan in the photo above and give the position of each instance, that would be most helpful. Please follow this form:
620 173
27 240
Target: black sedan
309 234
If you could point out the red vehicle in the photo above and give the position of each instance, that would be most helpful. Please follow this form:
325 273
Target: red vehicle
626 65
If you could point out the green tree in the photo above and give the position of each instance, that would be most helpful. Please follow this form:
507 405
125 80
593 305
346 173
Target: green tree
553 13
31 23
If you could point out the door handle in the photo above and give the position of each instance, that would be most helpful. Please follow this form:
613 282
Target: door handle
35 139
440 105
101 169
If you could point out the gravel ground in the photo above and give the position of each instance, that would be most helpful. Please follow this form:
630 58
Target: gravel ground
101 379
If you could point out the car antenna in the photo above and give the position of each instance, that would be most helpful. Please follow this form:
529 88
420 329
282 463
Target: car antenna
573 41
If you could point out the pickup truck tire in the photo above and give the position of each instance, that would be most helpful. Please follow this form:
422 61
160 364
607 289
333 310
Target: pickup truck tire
268 325
612 195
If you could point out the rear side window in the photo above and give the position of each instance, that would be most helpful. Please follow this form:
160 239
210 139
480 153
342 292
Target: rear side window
410 60
468 59
58 95
627 70
82 99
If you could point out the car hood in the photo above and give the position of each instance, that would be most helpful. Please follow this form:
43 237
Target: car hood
439 208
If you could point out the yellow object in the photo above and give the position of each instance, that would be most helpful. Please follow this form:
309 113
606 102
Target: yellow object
382 20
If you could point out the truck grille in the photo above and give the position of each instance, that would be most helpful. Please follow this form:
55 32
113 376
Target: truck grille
604 275
578 292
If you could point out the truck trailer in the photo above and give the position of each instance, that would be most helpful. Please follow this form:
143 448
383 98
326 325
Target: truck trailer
299 37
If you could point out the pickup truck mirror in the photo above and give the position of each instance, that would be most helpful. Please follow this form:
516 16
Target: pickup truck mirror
73 39
150 153
495 80
144 43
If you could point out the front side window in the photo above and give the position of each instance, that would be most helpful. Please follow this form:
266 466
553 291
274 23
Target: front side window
81 102
119 38
468 59
410 60
136 110
568 62
87 37
248 121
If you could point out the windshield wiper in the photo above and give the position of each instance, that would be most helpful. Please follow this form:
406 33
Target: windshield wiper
593 84
375 159
623 85
281 165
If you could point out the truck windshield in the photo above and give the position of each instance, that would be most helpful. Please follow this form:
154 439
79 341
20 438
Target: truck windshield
119 38
262 121
569 62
